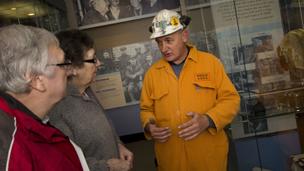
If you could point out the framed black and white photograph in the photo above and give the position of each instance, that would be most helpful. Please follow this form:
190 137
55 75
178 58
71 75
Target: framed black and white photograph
243 54
94 13
132 72
108 64
134 60
123 68
263 43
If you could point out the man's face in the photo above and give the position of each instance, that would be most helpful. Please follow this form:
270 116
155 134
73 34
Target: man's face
106 55
101 6
132 61
123 51
135 3
138 50
172 46
56 83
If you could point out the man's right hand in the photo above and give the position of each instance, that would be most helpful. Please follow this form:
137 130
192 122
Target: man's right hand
160 134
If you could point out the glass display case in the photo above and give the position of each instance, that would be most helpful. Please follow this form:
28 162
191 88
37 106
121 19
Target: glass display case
47 14
245 36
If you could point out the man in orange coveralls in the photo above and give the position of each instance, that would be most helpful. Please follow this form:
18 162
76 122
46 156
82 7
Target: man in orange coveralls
186 101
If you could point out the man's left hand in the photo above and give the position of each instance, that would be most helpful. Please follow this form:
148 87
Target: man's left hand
194 126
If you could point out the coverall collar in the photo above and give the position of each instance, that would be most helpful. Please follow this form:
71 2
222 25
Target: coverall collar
192 55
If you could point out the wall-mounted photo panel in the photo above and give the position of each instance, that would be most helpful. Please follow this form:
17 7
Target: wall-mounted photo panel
95 13
108 64
119 78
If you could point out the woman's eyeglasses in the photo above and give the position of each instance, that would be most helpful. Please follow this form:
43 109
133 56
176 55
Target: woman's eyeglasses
93 61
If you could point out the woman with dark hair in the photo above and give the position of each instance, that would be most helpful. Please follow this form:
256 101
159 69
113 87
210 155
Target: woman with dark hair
80 116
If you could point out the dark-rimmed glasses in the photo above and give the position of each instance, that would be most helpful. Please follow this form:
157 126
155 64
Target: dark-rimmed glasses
93 61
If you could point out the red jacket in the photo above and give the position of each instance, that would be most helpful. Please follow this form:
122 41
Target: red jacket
27 144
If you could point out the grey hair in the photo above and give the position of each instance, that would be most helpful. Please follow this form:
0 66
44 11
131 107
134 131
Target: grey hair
24 53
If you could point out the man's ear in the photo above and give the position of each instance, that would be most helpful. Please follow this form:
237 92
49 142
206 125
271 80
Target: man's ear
185 35
37 83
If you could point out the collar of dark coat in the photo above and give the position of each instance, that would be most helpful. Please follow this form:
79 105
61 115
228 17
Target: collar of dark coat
191 56
73 91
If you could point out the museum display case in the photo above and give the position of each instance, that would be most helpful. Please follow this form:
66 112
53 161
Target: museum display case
246 35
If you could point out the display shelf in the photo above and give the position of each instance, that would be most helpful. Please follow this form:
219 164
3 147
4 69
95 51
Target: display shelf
278 91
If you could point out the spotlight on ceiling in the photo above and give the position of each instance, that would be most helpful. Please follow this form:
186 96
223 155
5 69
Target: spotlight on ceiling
22 8
31 14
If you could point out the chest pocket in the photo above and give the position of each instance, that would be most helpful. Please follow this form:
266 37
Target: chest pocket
205 94
205 90
201 85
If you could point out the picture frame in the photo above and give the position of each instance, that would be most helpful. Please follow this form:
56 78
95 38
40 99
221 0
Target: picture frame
97 13
120 75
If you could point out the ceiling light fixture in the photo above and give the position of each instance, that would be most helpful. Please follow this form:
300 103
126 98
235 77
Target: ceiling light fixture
31 14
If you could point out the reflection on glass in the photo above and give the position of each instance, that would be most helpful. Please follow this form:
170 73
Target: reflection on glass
247 34
37 13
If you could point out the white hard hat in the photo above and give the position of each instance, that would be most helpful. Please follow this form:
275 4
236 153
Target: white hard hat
165 22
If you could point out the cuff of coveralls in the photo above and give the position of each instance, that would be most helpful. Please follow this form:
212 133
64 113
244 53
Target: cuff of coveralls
146 133
212 127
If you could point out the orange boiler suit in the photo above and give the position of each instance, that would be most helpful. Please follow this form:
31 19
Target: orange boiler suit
202 87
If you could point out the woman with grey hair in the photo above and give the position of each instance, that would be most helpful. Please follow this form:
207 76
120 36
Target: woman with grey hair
33 77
